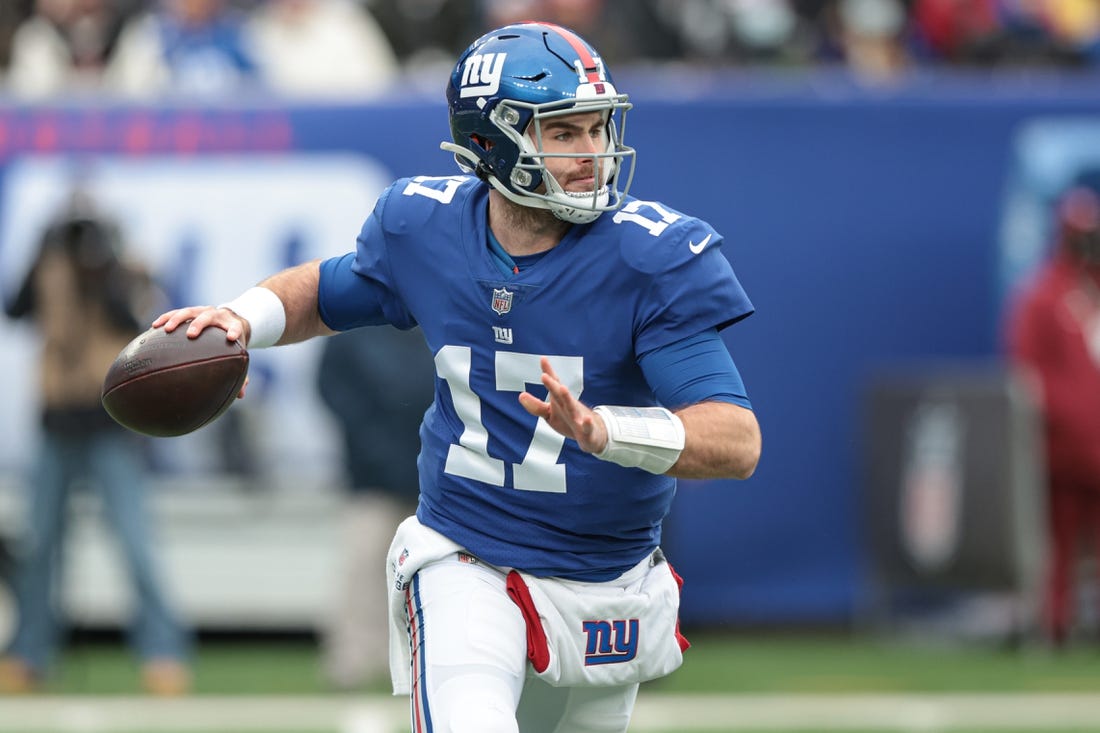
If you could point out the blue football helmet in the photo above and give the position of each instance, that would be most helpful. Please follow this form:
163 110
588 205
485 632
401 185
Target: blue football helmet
503 89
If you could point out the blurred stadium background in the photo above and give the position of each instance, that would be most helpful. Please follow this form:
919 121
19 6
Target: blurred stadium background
879 199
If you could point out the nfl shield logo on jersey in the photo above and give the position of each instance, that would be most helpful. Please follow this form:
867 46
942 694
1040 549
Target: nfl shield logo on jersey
502 301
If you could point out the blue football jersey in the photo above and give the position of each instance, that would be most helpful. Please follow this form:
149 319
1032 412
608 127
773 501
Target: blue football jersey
493 478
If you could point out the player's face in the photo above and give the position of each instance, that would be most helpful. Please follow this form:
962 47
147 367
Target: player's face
583 135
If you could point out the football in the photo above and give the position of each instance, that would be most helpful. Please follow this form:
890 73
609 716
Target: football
165 384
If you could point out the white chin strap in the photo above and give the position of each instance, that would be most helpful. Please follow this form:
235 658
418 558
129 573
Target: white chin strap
579 207
574 208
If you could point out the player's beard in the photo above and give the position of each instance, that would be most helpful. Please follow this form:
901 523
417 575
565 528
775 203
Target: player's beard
536 223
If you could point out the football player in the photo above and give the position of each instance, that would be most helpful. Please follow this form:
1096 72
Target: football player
579 372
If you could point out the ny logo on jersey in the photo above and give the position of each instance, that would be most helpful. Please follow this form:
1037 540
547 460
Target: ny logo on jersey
502 335
502 301
481 74
610 642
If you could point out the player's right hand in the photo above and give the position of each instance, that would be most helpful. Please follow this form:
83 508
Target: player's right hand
199 317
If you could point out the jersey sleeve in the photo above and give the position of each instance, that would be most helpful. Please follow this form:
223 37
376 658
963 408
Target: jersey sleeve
357 289
696 369
691 287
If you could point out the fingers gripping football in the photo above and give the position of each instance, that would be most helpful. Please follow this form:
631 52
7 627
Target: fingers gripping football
166 384
202 316
199 317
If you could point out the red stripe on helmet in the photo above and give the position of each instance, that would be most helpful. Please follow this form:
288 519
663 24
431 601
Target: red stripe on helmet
588 63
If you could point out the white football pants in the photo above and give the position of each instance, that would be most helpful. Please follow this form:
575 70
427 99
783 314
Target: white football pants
470 670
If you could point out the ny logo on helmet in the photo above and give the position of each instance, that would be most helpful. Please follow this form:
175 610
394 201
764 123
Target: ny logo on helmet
481 74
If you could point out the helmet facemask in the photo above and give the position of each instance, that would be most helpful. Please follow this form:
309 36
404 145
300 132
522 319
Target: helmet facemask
531 183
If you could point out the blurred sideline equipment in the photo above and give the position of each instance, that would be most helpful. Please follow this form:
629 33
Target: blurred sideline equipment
954 505
165 384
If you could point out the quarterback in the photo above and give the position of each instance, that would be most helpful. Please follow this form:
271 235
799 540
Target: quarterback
579 372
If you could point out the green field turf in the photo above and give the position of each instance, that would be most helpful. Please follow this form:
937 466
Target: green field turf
720 663
836 663
725 677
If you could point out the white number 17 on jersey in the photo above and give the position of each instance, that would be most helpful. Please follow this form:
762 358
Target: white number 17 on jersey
540 470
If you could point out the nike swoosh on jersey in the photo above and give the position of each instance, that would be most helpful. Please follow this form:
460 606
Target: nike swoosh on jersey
697 248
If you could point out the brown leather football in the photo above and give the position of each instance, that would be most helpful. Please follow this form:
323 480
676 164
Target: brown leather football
165 384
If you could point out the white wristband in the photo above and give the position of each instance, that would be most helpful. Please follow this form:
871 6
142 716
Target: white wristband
649 438
265 314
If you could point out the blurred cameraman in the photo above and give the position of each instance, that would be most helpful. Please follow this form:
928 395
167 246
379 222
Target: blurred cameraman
1054 337
87 305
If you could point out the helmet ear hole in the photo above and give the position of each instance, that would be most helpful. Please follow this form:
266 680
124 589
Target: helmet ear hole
482 142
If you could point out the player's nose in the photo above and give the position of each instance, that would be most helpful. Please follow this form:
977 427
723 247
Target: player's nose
588 145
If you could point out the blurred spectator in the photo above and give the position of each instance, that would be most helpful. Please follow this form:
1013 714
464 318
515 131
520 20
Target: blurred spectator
761 30
183 47
320 48
958 31
87 304
64 46
1077 23
1030 38
872 37
378 382
12 15
785 33
994 33
427 33
1054 338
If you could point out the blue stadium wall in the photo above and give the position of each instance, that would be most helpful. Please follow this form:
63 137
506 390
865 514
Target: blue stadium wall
863 222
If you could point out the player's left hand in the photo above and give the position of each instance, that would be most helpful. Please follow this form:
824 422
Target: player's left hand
566 414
